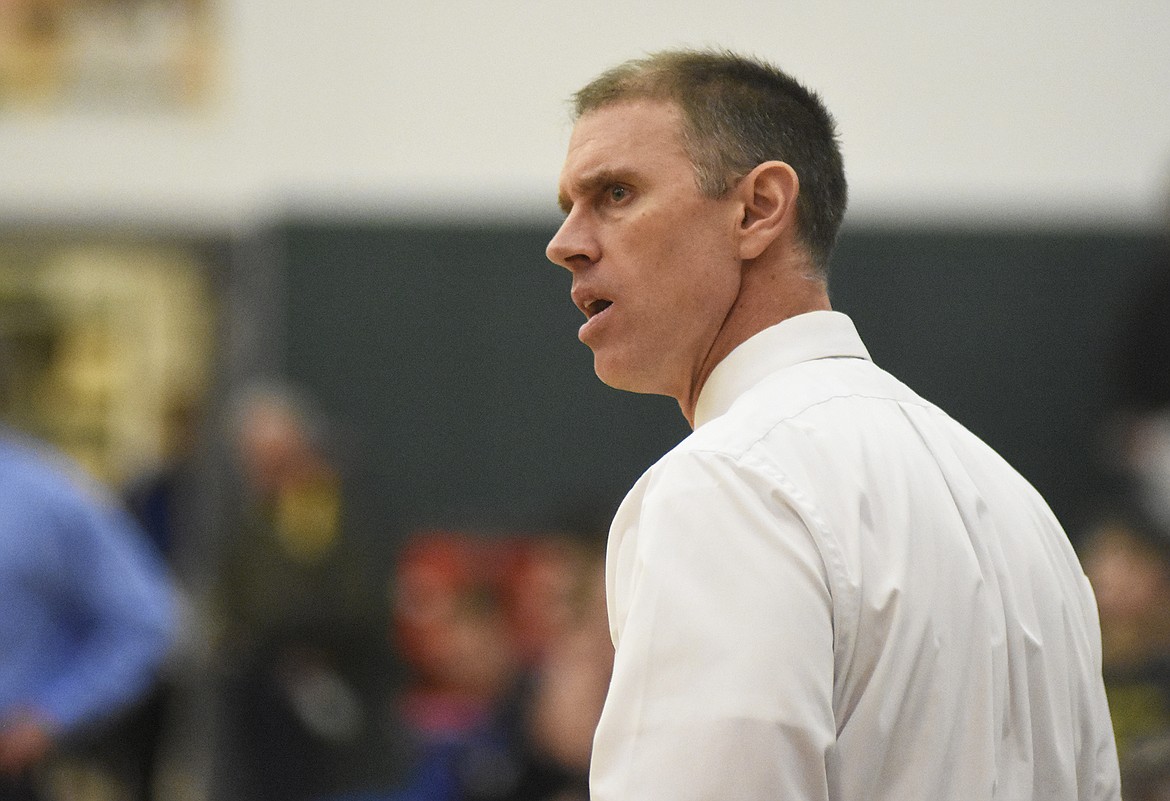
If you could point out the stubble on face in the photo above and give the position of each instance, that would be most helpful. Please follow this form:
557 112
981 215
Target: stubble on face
641 238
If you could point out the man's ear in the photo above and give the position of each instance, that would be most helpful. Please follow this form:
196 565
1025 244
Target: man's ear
768 194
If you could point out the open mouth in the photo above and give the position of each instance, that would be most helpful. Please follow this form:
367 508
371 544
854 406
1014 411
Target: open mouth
596 307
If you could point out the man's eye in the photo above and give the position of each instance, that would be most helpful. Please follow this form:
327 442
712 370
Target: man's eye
618 193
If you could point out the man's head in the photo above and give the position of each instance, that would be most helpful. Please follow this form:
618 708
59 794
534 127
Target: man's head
280 436
685 238
739 113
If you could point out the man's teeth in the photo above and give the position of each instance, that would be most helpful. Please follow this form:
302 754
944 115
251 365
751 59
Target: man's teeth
598 306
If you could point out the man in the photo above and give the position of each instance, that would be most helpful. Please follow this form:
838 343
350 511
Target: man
86 610
830 590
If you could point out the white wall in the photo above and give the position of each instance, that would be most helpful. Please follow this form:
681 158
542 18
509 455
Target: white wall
1021 111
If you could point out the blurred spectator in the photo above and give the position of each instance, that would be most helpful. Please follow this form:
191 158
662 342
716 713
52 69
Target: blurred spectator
1145 403
1126 556
162 500
295 623
510 657
572 683
87 610
1127 553
1141 424
1145 776
451 628
156 497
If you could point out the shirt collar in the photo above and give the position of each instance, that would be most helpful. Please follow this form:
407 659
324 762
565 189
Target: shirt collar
813 335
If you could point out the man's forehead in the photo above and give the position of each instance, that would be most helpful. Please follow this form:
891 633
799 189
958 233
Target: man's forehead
619 136
622 117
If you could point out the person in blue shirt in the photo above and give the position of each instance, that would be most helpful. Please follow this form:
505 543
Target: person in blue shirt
87 612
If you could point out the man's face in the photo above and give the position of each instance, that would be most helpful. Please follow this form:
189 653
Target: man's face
654 261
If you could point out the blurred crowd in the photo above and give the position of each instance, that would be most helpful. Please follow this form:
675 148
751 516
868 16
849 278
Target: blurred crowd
283 664
1125 544
144 660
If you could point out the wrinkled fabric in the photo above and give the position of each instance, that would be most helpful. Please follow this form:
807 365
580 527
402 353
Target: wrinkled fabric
832 591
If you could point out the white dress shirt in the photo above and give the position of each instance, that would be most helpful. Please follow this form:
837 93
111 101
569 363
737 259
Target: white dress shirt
832 590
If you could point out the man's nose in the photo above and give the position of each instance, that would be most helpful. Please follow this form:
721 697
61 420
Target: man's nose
574 245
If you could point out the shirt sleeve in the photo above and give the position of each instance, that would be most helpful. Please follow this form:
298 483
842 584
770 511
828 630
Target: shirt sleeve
723 676
115 607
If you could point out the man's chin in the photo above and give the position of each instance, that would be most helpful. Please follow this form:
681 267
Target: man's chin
624 378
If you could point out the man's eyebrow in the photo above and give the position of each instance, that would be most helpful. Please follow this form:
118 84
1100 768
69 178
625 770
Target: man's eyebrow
591 183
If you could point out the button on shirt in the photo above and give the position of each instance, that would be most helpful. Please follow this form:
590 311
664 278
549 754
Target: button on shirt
832 590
